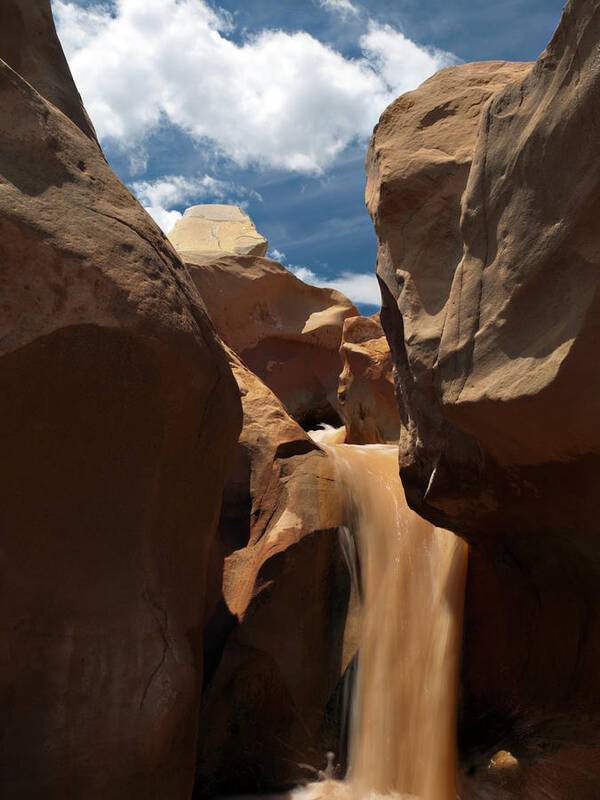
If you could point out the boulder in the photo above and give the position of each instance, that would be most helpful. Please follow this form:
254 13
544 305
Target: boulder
286 331
279 636
214 230
118 417
366 386
489 265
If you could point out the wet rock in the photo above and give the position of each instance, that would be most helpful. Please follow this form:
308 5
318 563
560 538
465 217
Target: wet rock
277 639
118 416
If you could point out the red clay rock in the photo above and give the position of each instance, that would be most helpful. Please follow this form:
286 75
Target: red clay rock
118 415
366 386
493 323
286 331
277 641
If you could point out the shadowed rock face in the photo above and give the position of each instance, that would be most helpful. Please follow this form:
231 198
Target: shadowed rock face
286 331
118 416
277 641
491 309
30 46
366 389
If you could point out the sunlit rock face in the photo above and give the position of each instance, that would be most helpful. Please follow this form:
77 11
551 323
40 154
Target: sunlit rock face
118 418
288 332
366 389
489 261
213 230
418 164
278 635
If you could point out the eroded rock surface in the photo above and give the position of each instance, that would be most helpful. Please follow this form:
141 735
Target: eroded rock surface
286 331
490 273
118 416
214 230
366 387
277 639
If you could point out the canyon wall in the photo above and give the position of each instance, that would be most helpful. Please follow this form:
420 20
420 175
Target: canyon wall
288 332
156 639
279 634
118 417
483 188
281 626
366 386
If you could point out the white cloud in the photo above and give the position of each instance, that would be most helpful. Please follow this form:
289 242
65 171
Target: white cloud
399 61
158 196
344 7
164 219
358 286
176 190
279 99
278 255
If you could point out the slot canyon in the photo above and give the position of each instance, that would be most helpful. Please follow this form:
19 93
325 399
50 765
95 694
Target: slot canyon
256 543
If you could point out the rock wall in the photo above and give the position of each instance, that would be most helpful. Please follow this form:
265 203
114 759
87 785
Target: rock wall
418 164
366 386
277 639
288 332
118 417
489 265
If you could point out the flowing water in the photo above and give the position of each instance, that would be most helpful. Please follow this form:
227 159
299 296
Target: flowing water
412 575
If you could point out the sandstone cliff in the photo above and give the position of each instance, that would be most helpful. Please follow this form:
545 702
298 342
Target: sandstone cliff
488 257
118 415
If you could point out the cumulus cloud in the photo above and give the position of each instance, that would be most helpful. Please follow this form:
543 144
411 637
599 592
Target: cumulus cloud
160 195
344 7
400 62
358 286
278 99
278 255
177 190
164 219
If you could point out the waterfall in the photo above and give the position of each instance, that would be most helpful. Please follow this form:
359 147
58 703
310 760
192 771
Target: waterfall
403 739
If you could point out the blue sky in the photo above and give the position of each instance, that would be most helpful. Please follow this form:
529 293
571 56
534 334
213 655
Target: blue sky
270 103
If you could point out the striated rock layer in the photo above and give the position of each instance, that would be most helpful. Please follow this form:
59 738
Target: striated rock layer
277 638
286 331
490 275
118 415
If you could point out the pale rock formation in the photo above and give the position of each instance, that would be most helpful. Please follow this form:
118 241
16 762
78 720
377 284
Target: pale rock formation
286 331
366 386
118 417
213 230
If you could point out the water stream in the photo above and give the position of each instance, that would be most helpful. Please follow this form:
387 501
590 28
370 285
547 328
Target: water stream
412 575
